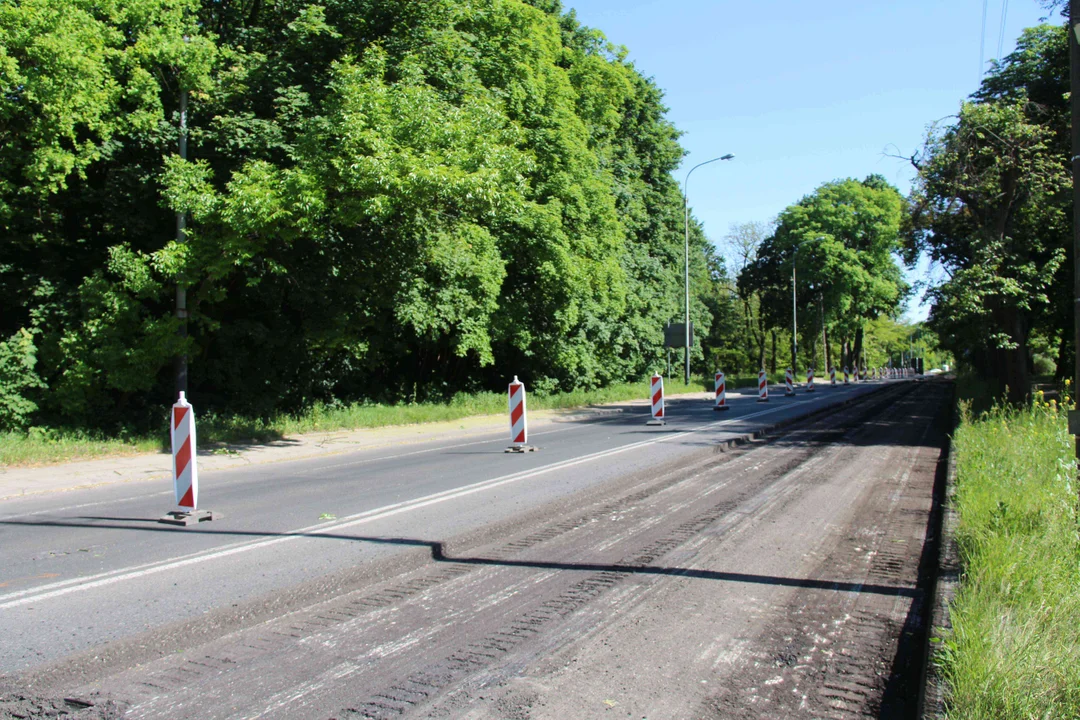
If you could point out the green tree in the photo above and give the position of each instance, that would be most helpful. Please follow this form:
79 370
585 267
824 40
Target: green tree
991 206
742 244
842 241
385 199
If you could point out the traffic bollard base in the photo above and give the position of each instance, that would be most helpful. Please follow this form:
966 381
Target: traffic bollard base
521 449
185 518
656 422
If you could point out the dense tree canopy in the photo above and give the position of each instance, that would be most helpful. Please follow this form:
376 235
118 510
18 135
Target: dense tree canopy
992 206
383 199
842 242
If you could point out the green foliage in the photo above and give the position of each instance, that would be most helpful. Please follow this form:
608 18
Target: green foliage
18 356
1015 636
383 200
841 241
991 204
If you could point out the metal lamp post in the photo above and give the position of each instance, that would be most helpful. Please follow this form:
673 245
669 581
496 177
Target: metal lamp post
686 256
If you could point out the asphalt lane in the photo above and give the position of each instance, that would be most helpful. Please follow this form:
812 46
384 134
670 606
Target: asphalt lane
83 568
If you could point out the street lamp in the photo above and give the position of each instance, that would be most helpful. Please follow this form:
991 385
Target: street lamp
794 324
686 256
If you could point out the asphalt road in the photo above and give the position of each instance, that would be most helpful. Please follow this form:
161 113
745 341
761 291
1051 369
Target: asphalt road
91 584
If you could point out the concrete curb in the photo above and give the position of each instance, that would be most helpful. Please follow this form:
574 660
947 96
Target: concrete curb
934 690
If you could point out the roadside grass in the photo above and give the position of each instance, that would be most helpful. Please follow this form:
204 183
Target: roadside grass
43 446
1014 650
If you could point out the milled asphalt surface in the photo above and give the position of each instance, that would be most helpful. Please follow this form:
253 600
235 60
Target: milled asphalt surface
83 560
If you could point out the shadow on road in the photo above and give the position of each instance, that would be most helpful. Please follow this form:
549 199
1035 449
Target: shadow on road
439 555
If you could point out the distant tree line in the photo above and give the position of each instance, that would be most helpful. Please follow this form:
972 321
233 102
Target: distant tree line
836 250
992 209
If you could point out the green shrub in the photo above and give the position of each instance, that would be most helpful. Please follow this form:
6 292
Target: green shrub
18 356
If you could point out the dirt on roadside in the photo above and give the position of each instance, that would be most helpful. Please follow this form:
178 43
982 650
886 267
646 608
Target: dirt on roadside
20 704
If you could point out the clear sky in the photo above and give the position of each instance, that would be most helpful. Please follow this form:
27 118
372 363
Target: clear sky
804 92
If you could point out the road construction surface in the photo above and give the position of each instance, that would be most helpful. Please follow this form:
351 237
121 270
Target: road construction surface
619 571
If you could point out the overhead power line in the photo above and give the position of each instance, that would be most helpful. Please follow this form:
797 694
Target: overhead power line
1001 30
982 42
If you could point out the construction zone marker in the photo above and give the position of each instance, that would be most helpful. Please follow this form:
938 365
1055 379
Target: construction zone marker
721 392
763 386
789 382
656 392
519 427
185 471
810 380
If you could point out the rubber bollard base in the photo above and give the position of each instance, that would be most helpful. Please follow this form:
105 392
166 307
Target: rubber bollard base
720 407
656 422
184 518
521 449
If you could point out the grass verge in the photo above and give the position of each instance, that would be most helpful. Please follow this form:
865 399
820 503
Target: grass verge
42 446
1014 650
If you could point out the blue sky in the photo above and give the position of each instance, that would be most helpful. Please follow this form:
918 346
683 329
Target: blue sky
804 92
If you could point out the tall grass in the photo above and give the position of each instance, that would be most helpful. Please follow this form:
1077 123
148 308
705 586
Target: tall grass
52 445
1014 651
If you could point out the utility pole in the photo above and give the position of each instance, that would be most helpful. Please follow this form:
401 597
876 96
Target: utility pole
794 321
181 237
824 335
1074 102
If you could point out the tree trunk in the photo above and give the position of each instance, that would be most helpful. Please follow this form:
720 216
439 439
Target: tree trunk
825 345
857 350
772 365
1015 360
1064 359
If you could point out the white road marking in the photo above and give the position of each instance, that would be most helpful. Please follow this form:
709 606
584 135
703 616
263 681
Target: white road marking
65 587
489 437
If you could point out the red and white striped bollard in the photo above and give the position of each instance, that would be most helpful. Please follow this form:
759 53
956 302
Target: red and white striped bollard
721 391
789 382
656 395
519 421
185 470
810 380
763 386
